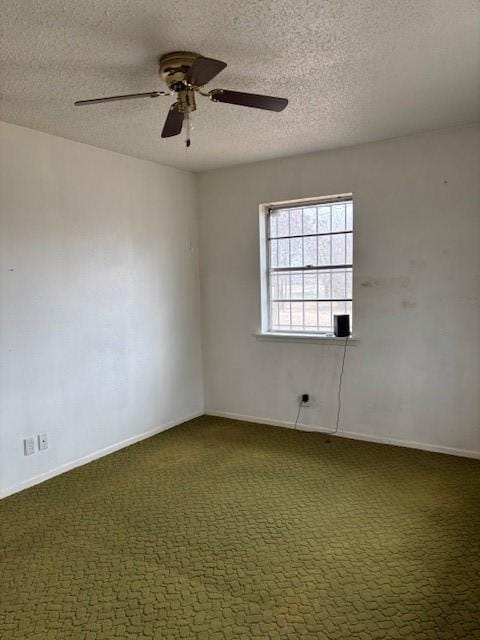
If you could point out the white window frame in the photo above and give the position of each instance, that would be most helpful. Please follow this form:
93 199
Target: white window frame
265 330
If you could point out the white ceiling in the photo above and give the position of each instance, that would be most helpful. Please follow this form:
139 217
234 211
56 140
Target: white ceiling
353 70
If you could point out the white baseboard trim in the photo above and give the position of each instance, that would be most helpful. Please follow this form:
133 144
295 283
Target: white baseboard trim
30 482
424 446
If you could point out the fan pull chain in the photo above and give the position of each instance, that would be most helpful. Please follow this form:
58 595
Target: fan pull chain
188 129
187 165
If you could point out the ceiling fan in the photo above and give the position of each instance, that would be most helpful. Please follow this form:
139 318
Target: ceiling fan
185 73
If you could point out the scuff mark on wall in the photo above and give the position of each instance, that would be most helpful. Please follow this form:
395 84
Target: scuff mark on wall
417 264
392 284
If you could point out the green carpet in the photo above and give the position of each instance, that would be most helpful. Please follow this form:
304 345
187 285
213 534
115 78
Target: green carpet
220 529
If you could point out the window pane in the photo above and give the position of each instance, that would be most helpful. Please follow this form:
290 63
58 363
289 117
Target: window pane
297 314
338 217
283 253
349 216
348 307
339 284
272 230
339 308
349 286
310 220
349 253
296 286
338 249
310 285
296 222
324 248
323 219
294 295
324 315
284 286
273 286
323 284
284 314
296 258
309 251
310 314
273 247
282 222
274 314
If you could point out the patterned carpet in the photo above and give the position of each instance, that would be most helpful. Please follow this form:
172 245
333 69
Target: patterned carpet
220 529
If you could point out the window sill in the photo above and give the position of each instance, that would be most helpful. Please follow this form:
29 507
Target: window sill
311 338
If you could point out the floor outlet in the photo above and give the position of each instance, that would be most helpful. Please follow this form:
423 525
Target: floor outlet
42 441
28 446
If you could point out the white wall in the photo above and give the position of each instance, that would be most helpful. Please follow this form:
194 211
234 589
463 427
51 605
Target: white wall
99 297
414 374
99 301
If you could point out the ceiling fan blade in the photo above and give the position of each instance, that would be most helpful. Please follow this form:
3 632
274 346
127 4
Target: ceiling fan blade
173 123
249 99
128 96
203 70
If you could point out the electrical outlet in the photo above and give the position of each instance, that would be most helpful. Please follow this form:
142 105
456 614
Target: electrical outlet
42 441
305 400
28 446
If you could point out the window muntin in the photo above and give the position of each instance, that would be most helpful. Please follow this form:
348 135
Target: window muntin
309 265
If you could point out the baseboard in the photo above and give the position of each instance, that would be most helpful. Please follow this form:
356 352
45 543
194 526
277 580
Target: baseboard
465 453
30 482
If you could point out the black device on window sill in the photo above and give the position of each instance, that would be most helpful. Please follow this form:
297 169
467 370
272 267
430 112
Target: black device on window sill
341 326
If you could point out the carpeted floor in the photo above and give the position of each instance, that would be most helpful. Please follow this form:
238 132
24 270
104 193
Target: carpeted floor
220 529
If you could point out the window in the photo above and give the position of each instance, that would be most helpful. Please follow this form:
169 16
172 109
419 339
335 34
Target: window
307 265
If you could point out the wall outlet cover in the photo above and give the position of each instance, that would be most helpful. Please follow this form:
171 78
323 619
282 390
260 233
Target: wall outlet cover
42 441
28 446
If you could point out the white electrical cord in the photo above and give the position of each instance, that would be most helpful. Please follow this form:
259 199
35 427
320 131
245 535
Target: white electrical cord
298 413
340 386
339 396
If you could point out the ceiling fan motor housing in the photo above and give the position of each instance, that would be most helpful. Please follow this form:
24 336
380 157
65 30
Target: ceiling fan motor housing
174 67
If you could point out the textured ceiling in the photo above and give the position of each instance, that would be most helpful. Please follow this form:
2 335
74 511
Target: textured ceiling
353 70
